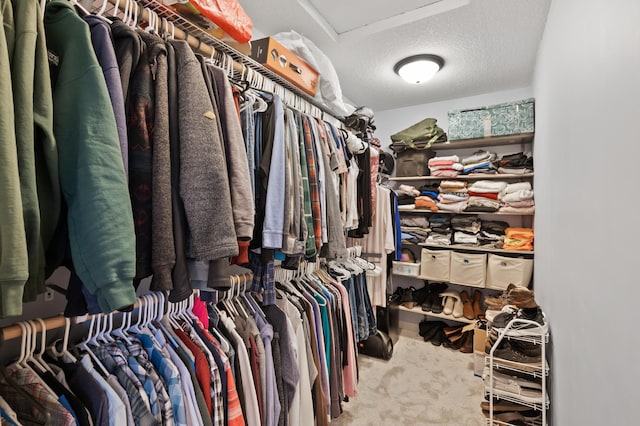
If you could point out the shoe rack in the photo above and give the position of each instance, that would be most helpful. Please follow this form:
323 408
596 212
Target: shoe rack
521 373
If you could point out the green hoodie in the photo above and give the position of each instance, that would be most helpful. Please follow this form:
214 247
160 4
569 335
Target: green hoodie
37 153
92 176
13 244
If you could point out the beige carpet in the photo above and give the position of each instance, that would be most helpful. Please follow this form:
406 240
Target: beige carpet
422 384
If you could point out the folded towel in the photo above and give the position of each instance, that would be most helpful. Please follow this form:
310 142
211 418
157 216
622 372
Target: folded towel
518 210
452 166
492 195
488 186
453 197
523 194
449 184
479 156
445 173
523 203
453 207
513 187
453 158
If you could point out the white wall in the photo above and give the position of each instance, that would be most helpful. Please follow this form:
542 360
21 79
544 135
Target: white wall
392 121
587 90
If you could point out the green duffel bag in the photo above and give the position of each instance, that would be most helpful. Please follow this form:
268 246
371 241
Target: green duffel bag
424 131
412 147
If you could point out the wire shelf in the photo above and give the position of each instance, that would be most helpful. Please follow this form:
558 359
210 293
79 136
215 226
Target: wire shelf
201 34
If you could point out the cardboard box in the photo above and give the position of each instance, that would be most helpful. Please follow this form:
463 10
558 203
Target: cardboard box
285 63
510 118
479 339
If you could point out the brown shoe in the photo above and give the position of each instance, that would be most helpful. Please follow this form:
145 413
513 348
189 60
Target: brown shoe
467 307
521 297
467 342
477 305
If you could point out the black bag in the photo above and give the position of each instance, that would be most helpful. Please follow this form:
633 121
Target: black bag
412 158
378 345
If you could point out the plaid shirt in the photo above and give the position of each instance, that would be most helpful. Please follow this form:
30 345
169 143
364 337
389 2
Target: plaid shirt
147 385
313 183
234 410
306 199
138 399
136 350
24 407
264 280
217 395
171 376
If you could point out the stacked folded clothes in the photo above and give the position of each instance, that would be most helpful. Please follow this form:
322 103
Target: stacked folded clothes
406 196
484 196
448 166
518 239
415 235
465 229
425 202
480 161
517 198
492 233
517 164
440 225
453 196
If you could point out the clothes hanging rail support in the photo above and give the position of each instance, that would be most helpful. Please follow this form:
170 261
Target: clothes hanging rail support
210 47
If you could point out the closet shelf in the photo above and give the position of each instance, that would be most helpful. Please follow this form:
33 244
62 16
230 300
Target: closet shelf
478 249
476 213
531 369
199 39
463 177
522 138
498 394
418 310
526 423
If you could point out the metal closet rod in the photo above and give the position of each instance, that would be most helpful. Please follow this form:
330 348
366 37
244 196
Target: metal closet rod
208 51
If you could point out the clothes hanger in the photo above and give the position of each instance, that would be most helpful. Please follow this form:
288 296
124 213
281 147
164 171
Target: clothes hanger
91 340
31 358
64 350
100 12
43 344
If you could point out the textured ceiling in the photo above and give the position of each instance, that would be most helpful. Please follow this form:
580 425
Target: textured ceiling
487 45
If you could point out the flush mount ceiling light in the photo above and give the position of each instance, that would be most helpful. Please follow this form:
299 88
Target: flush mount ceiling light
419 68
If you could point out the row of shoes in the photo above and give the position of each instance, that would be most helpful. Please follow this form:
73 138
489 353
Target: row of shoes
434 297
440 333
511 413
511 385
515 302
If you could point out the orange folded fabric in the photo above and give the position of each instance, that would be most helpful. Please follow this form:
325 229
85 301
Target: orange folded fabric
423 202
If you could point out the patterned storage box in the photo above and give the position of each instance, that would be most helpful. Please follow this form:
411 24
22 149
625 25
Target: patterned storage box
509 118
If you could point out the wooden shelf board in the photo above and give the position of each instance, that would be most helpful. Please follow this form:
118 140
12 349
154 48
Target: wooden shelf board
522 138
476 213
462 177
418 310
472 248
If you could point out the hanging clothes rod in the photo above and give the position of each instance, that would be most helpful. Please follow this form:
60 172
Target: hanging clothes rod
202 42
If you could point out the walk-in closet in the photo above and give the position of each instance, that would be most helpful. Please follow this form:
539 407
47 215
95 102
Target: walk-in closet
307 213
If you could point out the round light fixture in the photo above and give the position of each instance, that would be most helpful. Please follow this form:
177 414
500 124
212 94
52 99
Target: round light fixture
419 68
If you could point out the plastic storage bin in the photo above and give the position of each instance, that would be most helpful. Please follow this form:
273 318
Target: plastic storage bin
406 268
